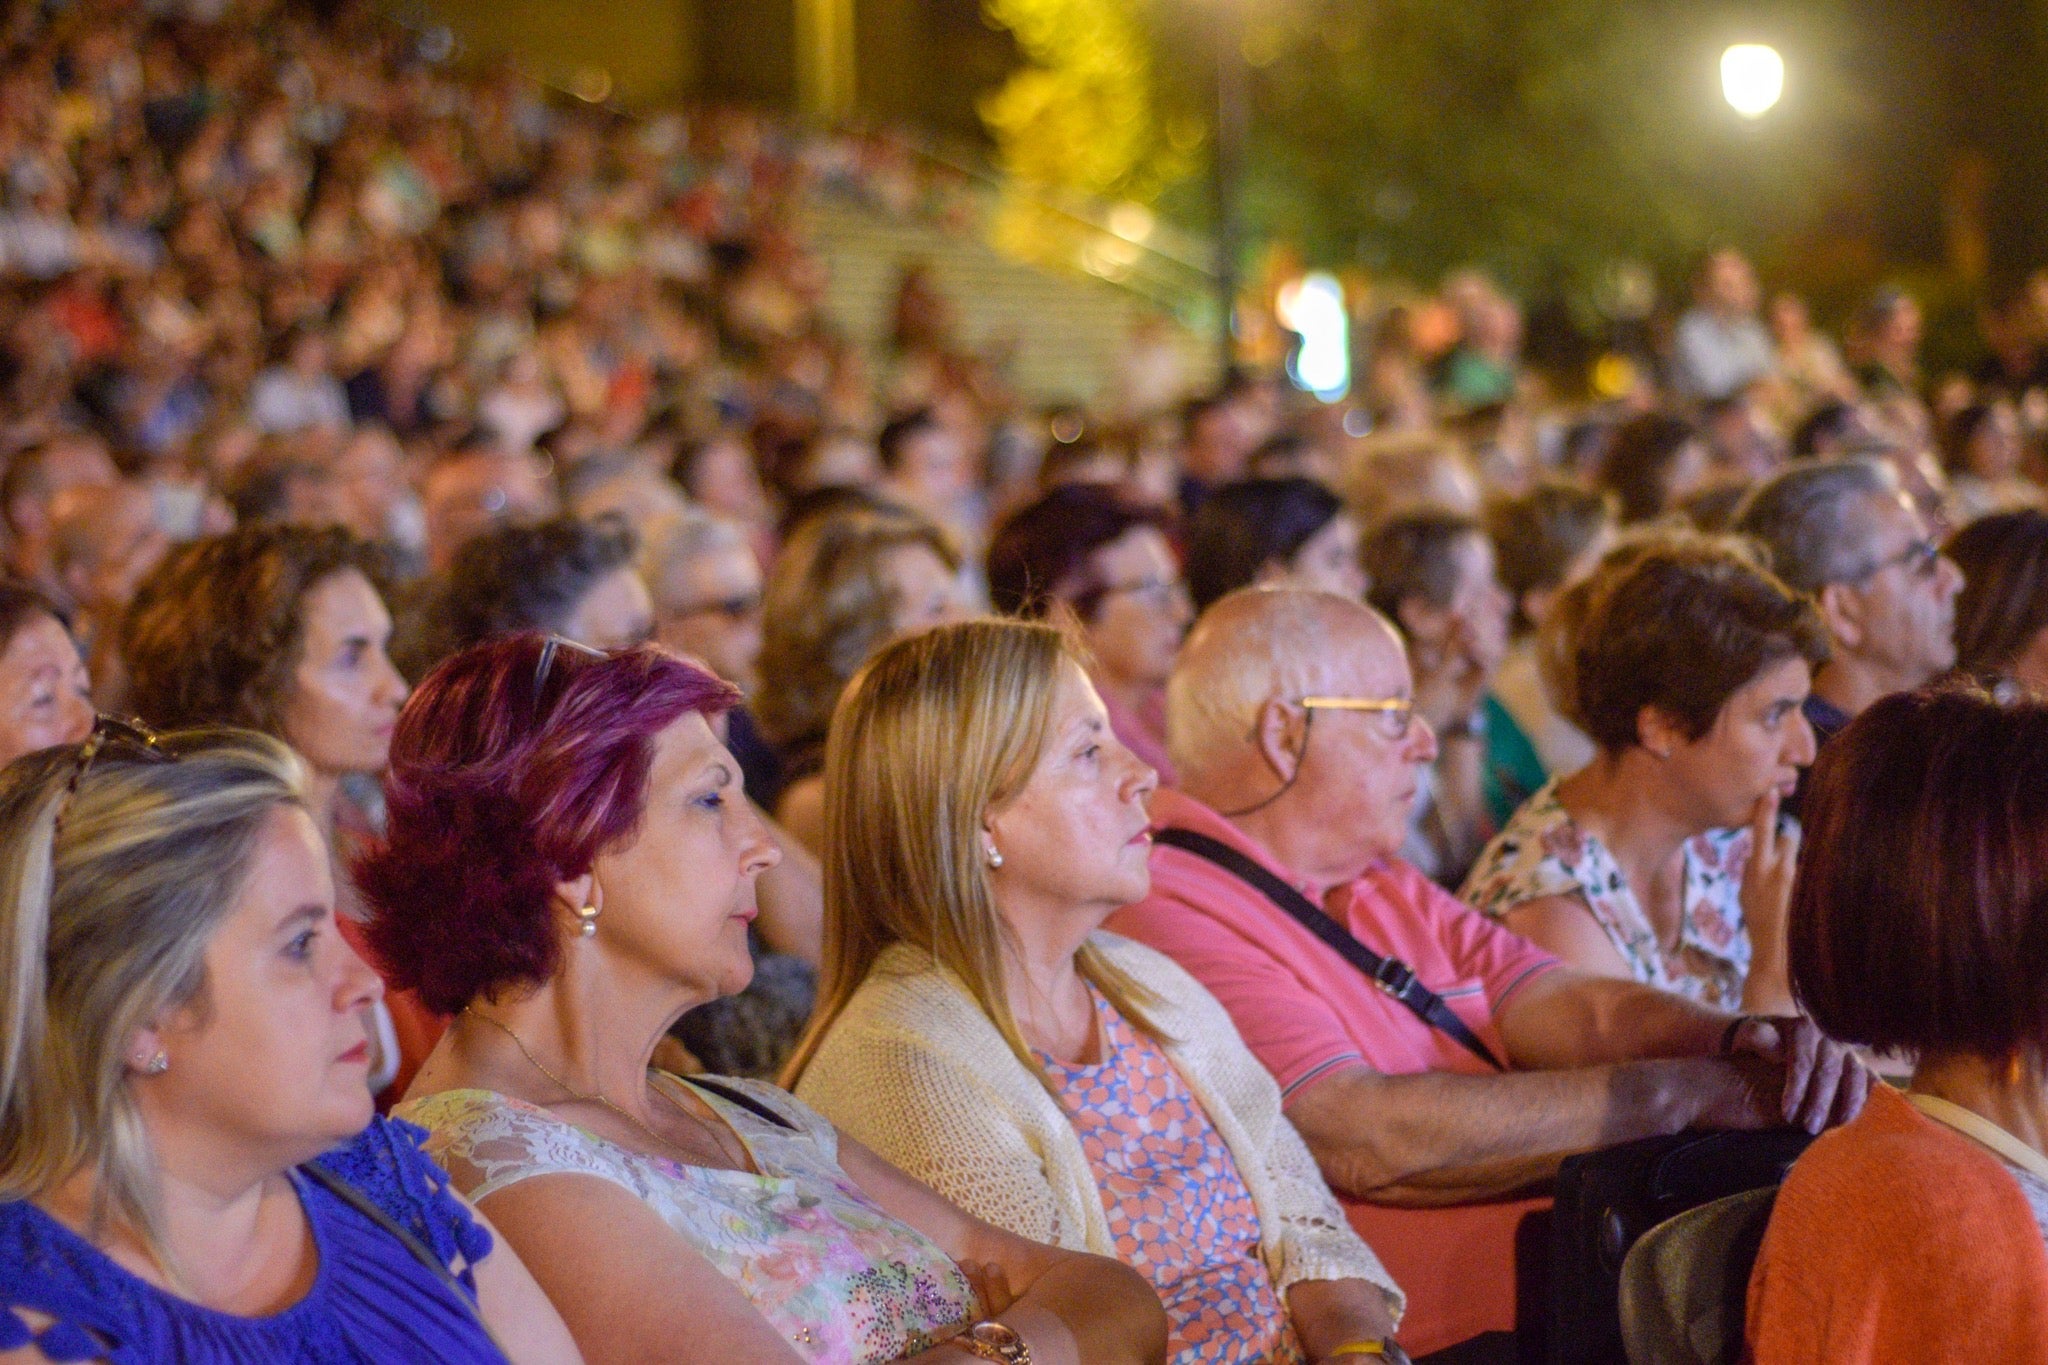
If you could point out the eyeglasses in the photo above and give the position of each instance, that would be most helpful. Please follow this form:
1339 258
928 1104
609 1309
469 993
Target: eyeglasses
736 608
1163 593
547 663
133 738
1921 559
1396 713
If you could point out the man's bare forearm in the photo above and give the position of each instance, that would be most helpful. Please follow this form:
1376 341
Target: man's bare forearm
1570 1018
1437 1138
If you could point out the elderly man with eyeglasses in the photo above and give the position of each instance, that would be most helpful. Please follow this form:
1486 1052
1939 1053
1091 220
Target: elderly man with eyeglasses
1439 1066
1847 534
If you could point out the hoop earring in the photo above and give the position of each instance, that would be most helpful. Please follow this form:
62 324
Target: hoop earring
588 916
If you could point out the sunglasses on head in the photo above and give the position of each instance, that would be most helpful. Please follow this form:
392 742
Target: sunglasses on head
131 738
549 648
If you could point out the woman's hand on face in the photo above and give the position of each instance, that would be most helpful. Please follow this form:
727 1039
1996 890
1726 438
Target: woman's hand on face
1767 880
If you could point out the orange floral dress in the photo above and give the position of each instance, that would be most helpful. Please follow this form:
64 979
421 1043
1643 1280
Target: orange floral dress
1177 1206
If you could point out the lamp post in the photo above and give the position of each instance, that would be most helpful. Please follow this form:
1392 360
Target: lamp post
1227 168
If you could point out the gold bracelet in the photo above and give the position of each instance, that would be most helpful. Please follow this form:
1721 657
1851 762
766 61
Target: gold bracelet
1360 1348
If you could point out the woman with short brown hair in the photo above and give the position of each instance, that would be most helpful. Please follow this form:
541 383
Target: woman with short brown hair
1919 927
1663 861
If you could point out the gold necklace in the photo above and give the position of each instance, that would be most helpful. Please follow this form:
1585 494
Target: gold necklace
576 1094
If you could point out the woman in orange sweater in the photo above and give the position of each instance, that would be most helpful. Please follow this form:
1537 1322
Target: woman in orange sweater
1919 923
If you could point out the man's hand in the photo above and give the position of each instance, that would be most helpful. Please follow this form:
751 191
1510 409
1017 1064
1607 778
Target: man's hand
1824 1082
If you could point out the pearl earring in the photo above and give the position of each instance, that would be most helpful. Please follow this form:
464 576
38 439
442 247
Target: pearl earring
995 859
588 915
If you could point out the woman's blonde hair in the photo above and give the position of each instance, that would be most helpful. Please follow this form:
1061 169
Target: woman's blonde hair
938 730
827 605
112 882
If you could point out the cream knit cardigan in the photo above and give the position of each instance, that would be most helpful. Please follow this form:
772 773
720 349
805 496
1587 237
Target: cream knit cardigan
916 1071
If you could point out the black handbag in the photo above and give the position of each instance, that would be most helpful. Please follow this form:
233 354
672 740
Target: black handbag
1608 1199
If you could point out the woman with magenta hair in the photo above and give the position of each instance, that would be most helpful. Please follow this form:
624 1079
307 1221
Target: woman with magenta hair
569 866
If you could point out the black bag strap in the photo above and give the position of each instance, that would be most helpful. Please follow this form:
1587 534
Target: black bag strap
1390 974
734 1095
361 1203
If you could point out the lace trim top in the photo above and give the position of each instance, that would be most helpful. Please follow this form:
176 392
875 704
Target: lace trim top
840 1279
370 1302
1543 852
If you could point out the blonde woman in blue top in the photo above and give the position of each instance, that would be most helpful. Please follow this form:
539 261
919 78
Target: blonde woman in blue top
189 1165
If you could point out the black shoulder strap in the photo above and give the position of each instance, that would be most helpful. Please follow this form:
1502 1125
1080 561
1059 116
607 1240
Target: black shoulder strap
734 1095
1390 974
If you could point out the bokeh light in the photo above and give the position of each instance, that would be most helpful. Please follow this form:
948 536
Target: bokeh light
1753 78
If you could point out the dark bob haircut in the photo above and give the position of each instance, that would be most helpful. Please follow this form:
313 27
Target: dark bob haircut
1540 534
215 632
1639 460
2003 606
21 606
1041 554
1414 557
1678 622
518 578
1919 916
497 792
1242 527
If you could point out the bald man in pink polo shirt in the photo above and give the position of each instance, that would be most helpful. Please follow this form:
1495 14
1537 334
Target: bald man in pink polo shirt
1436 1153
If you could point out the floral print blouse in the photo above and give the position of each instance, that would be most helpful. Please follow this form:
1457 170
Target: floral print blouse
1543 852
1177 1205
841 1280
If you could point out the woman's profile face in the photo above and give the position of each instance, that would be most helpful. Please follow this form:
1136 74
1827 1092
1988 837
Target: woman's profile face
345 694
1143 612
925 592
45 695
1328 561
1758 743
1995 451
1478 612
617 613
1076 837
676 900
272 1057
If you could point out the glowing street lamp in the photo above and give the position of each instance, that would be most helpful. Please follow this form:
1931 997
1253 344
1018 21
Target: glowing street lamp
1752 77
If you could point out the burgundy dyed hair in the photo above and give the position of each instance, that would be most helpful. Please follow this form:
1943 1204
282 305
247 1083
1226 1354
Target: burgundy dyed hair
497 792
1919 916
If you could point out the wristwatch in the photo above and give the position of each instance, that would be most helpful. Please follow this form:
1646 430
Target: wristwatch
993 1341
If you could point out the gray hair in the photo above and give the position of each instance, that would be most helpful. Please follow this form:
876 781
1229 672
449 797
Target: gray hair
109 895
1251 647
675 541
1809 520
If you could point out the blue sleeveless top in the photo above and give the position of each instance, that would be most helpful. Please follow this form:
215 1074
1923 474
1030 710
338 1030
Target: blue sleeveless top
371 1302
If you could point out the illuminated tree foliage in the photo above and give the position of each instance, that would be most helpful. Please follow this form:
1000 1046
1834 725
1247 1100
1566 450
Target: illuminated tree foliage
1545 138
1540 138
1082 118
1083 114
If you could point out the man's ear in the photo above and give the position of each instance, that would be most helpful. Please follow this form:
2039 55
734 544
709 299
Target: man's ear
1841 610
1279 732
